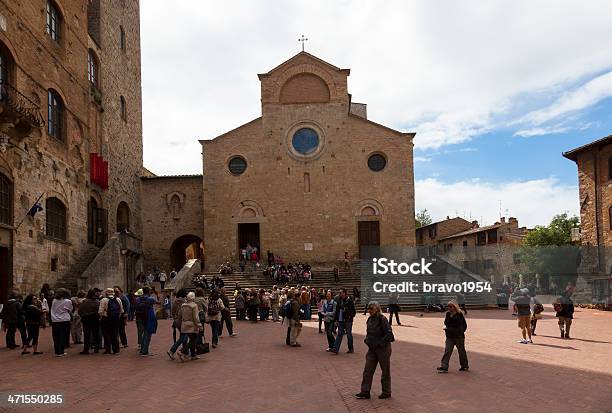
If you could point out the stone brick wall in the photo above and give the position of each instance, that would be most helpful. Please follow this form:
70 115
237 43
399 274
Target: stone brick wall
40 164
165 221
322 208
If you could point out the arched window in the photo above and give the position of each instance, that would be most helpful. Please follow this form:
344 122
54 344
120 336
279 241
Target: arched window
123 217
56 218
610 216
123 108
6 200
610 168
54 21
92 68
55 115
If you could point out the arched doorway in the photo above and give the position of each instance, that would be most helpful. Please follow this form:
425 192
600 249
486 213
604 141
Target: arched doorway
184 248
123 217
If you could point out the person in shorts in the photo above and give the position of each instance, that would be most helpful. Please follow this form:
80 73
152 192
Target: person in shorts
522 300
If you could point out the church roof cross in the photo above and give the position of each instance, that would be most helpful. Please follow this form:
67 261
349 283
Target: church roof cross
303 40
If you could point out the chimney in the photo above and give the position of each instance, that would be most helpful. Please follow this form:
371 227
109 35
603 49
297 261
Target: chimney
503 220
475 224
513 221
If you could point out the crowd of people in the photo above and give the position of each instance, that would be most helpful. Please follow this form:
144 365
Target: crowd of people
161 277
281 273
97 320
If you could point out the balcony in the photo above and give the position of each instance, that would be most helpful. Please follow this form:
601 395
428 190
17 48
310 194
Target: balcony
19 112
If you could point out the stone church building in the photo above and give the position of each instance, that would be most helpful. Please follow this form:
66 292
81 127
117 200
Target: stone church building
310 179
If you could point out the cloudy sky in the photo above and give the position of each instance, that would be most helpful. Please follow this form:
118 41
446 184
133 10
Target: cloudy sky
494 90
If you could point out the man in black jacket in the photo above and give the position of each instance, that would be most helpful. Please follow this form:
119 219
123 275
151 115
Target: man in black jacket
13 319
379 337
345 313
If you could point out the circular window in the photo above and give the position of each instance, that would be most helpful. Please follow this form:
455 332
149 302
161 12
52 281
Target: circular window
305 141
377 162
237 165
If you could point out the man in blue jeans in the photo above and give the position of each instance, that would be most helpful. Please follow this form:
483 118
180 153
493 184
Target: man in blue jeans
146 320
345 313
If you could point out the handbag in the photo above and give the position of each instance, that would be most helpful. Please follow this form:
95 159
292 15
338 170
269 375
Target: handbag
202 348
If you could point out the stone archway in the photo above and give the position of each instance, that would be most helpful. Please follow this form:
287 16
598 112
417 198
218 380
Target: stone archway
185 248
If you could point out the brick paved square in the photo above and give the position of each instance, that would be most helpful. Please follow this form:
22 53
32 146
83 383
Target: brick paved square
256 371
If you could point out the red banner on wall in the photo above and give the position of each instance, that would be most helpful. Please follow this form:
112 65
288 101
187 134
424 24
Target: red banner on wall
98 170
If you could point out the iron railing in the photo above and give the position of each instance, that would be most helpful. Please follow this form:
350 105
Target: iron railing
21 104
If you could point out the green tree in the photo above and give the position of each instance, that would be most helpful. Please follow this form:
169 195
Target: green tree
558 232
422 218
548 251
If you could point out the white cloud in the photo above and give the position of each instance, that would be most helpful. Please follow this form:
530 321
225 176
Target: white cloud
550 130
533 202
446 70
582 97
421 159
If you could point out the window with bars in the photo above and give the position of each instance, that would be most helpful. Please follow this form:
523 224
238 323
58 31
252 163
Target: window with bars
56 219
5 64
121 38
92 68
53 21
55 115
123 108
6 200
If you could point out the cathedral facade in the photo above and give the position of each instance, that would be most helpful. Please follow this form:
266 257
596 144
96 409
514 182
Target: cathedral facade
312 178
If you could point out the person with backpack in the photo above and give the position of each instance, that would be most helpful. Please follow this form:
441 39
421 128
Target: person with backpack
110 312
522 299
145 315
564 307
454 328
343 318
379 337
329 311
214 308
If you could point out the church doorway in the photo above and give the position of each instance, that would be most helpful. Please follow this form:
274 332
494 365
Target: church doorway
4 274
248 234
368 235
184 248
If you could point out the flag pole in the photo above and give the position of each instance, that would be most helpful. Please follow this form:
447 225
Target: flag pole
23 219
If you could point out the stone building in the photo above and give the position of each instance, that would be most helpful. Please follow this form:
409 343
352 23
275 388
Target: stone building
70 141
427 236
172 220
311 178
594 161
490 251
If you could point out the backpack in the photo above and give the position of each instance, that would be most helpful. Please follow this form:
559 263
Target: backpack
538 308
288 310
113 308
213 307
142 309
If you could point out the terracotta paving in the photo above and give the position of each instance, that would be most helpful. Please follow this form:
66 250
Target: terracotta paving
256 372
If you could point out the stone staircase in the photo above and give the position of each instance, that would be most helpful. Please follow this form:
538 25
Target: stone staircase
69 280
324 278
